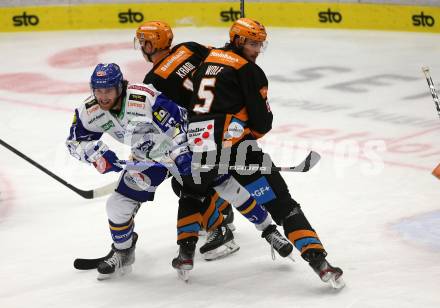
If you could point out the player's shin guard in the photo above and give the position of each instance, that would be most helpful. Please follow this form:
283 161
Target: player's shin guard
226 209
299 231
189 219
122 233
211 216
255 213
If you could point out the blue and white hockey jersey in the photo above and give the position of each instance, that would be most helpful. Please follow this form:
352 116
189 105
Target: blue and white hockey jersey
148 120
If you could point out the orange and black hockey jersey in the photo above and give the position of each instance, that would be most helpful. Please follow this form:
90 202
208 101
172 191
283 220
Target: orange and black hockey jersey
227 84
172 75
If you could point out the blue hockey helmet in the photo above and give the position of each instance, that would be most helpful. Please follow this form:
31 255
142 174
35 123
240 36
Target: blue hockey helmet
107 75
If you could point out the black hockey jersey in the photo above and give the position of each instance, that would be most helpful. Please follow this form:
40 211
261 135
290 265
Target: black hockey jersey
231 89
172 75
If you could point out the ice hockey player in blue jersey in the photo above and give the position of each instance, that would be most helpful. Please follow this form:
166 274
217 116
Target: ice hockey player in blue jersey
154 127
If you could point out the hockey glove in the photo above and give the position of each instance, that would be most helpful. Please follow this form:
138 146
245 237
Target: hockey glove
107 163
101 157
183 163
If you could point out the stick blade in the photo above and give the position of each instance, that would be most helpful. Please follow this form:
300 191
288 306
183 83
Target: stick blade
308 163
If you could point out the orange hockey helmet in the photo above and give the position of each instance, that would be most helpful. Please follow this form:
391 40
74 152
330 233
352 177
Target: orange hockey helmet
158 33
247 28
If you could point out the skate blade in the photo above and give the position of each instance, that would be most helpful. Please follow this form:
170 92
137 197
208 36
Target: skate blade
183 275
120 272
337 283
335 280
222 251
290 256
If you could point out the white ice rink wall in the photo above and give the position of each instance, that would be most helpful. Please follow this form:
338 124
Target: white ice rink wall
394 15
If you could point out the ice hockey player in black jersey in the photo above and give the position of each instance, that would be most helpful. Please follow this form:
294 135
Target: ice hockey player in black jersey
230 111
171 74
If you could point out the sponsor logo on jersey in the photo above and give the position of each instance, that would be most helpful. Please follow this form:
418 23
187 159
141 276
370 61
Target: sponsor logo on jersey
223 55
330 16
161 115
226 58
130 17
261 191
25 20
74 119
423 20
141 88
235 130
170 63
108 125
137 97
90 102
92 109
96 118
137 181
201 136
137 114
136 105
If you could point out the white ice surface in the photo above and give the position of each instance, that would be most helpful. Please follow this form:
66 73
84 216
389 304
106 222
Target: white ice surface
377 212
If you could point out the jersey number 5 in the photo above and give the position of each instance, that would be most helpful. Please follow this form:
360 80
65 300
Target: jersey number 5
205 93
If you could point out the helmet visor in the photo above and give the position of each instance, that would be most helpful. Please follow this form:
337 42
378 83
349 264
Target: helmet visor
137 44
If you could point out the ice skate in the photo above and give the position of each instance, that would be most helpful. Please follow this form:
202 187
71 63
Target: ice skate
277 242
327 273
228 215
184 262
118 262
219 244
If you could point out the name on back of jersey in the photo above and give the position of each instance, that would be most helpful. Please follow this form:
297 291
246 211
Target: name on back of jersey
213 70
186 68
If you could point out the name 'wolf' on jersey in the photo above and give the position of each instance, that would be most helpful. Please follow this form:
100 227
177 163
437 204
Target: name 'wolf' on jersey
233 91
145 112
172 75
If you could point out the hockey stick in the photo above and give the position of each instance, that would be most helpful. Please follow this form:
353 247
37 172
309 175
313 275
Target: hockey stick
425 69
308 163
88 264
434 95
88 194
242 8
